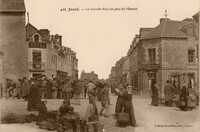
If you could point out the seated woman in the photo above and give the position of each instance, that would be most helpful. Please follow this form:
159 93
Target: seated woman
42 115
128 106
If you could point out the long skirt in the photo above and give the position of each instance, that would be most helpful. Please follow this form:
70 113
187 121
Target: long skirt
119 105
155 101
128 108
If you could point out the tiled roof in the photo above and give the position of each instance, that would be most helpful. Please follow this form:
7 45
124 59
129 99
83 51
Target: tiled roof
168 29
144 32
30 30
12 6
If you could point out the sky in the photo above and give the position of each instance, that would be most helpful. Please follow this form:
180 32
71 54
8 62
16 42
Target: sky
102 37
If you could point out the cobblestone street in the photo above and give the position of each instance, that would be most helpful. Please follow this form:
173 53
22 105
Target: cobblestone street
148 117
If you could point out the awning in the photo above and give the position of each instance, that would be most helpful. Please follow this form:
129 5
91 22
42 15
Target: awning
43 75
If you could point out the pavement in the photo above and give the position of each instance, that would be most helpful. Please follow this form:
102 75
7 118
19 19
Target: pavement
149 118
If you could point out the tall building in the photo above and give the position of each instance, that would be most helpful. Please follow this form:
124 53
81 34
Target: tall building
48 56
13 40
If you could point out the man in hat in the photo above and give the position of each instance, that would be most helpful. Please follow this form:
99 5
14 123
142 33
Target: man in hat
168 94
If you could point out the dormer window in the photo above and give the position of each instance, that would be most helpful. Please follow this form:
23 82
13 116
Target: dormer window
36 38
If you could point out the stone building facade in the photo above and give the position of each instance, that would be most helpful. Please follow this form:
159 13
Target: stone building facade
166 52
48 56
13 40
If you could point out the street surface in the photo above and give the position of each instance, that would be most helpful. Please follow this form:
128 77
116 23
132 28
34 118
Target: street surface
149 118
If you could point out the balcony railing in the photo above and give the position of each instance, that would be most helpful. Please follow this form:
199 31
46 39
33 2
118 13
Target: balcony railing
151 65
36 66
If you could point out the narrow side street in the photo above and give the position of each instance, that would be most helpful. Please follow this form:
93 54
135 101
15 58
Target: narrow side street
149 118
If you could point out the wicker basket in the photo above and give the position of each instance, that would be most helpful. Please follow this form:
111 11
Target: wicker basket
123 117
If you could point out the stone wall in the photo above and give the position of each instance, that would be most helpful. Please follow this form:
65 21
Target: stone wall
13 44
175 54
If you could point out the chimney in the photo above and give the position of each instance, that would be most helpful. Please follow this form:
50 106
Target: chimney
164 19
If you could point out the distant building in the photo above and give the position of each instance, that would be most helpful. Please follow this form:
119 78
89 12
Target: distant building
48 56
13 40
89 76
112 76
122 70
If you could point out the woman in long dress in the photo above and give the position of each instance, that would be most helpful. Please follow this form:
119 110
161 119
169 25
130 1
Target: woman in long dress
155 99
120 100
128 106
34 97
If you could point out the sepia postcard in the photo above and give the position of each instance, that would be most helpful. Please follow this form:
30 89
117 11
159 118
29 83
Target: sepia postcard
99 65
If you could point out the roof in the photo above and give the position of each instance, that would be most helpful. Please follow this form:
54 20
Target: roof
12 6
168 29
196 17
144 32
30 30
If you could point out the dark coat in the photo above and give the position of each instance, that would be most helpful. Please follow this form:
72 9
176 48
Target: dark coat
155 99
168 92
49 89
77 88
184 93
104 94
34 97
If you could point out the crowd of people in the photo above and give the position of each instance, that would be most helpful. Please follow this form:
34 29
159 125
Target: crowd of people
35 89
185 98
48 88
